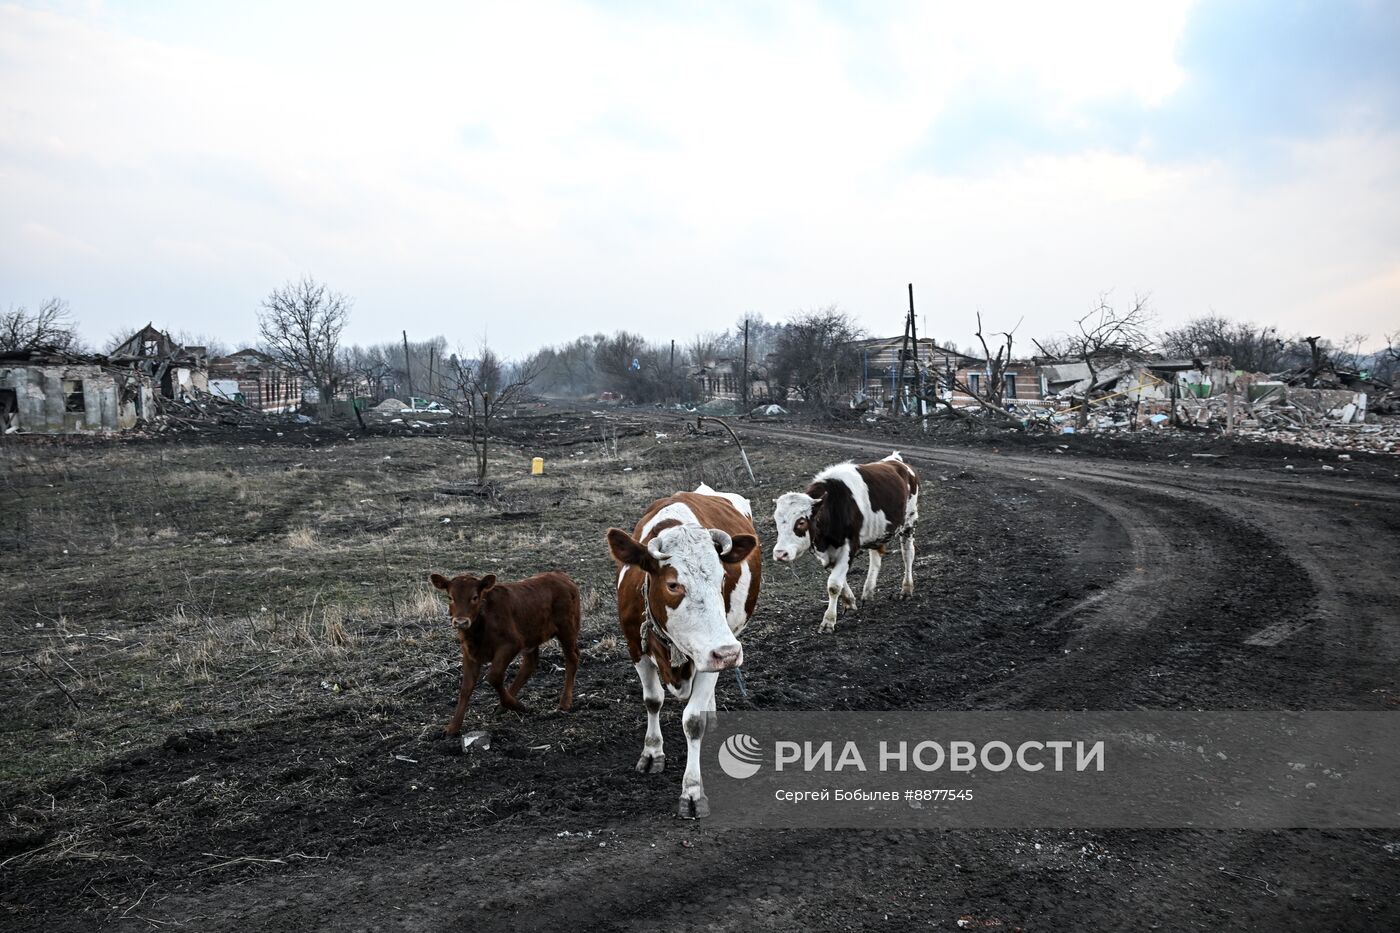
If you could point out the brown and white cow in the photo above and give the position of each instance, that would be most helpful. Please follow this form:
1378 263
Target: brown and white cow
689 575
850 507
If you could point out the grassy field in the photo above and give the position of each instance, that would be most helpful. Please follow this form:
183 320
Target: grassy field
155 587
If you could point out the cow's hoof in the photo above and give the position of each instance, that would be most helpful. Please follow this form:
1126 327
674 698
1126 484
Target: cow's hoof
695 808
827 626
651 764
906 592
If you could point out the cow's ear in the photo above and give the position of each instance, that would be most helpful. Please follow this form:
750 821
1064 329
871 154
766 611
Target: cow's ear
739 548
439 581
630 552
817 491
487 582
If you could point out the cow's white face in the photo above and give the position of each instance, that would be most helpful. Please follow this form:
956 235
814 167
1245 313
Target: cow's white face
686 567
793 516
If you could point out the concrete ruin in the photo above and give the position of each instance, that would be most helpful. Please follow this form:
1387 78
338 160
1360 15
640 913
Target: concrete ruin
50 391
178 370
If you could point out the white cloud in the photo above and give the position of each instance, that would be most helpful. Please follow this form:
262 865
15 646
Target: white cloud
544 170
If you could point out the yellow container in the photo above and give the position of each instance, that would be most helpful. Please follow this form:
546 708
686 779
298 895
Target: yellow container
537 466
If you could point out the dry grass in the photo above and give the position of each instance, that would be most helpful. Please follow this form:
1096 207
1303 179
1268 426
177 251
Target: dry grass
423 604
303 539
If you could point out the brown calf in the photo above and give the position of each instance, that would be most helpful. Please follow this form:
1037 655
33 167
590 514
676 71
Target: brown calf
497 621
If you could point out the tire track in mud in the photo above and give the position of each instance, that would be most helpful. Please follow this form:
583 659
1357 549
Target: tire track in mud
1313 615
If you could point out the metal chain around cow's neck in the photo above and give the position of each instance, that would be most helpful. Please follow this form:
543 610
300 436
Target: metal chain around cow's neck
650 625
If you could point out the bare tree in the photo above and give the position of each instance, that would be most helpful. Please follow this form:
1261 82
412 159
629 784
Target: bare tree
816 354
52 325
213 346
1104 334
483 388
371 365
990 392
300 326
1249 346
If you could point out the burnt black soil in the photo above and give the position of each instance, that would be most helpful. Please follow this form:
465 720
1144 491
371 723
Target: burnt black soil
1047 580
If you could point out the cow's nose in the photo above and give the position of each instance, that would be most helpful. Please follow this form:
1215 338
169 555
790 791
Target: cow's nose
781 556
721 659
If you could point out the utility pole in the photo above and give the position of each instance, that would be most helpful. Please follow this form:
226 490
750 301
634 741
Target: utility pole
671 383
431 352
744 391
907 353
407 372
918 373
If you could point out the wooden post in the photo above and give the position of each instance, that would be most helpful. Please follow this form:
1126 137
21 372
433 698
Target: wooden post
1230 403
407 371
744 376
903 356
918 373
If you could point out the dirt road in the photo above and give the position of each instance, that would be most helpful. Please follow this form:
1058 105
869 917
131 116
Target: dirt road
1047 580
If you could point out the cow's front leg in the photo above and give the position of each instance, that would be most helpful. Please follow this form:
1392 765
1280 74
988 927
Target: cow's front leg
653 760
694 803
877 557
470 670
906 550
836 587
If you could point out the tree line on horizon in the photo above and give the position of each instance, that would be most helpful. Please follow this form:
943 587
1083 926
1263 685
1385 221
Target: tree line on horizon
301 324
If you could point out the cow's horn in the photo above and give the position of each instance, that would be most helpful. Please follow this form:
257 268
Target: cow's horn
722 540
657 554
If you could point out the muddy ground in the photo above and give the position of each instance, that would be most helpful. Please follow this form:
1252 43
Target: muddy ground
225 679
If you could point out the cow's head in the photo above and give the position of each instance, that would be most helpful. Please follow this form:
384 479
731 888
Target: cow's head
685 565
465 596
792 513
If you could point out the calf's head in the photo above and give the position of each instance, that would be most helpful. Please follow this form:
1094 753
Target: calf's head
465 596
792 514
685 568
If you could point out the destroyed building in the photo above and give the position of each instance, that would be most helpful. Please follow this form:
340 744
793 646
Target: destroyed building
52 391
178 370
255 379
880 381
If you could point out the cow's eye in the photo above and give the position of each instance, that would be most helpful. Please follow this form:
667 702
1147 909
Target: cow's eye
675 588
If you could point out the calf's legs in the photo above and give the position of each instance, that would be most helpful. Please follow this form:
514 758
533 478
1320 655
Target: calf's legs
529 662
470 671
496 677
566 697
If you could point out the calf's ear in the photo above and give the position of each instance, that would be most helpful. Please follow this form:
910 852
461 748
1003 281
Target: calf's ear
739 549
439 581
629 551
487 582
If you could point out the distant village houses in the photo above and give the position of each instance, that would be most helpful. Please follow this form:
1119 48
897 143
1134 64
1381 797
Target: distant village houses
255 379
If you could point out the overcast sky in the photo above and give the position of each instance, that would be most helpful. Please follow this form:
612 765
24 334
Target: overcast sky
533 171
